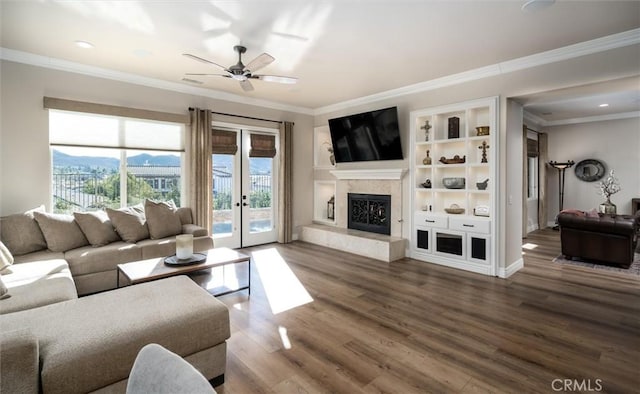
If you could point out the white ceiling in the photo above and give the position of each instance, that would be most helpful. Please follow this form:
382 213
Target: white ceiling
340 50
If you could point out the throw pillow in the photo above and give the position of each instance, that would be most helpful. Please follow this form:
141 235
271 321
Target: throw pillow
21 233
6 259
4 292
162 218
592 213
61 231
129 225
97 227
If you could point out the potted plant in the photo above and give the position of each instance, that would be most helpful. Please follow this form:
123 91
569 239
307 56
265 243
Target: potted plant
606 188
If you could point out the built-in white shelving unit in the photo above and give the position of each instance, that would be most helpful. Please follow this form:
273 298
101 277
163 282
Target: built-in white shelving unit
322 149
463 240
322 193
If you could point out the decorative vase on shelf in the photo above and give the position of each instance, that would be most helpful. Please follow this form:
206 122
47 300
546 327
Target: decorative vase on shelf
332 159
607 207
427 160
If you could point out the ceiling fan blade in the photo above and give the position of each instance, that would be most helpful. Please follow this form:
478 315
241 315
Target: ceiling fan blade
199 59
259 62
246 85
276 78
209 75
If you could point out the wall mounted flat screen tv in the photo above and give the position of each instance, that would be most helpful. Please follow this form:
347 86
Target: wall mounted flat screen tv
368 136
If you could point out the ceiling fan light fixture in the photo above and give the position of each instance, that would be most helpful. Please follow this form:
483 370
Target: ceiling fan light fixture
536 5
84 44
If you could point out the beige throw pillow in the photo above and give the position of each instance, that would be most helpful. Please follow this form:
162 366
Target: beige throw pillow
129 225
61 231
97 227
162 218
4 292
6 259
21 233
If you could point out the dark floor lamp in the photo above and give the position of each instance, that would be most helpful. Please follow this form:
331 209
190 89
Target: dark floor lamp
561 167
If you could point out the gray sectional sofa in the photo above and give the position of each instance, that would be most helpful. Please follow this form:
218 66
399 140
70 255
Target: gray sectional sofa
94 243
52 341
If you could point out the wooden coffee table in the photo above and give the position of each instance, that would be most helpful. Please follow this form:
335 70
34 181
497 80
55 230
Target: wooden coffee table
152 269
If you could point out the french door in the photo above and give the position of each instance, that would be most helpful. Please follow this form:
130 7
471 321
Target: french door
245 193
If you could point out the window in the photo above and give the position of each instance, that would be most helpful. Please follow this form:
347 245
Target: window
107 161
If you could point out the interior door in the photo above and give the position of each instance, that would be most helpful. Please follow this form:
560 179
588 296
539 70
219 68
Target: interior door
245 194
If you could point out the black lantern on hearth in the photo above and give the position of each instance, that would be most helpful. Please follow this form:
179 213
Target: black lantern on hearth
331 205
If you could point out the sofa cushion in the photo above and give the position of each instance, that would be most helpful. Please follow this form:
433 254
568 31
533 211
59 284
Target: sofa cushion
4 291
21 233
39 256
36 284
61 231
6 258
97 227
75 342
162 219
130 225
89 260
194 230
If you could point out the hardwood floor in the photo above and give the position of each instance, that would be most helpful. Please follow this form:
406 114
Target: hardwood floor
413 327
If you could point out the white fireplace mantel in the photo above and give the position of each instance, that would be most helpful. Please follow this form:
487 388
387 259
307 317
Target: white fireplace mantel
392 174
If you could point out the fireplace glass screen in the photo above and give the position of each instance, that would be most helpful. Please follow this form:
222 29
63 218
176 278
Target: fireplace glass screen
449 243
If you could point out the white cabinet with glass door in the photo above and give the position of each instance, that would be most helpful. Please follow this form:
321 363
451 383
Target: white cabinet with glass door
245 188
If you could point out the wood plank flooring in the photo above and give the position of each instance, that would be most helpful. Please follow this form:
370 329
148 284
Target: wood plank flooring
413 327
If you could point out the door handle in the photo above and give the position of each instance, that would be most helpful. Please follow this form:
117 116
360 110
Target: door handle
244 204
237 204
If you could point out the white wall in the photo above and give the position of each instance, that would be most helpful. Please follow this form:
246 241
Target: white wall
614 142
574 72
25 162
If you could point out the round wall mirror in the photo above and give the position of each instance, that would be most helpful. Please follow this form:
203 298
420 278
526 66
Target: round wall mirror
590 170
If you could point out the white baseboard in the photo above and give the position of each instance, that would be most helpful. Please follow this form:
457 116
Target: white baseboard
511 269
532 227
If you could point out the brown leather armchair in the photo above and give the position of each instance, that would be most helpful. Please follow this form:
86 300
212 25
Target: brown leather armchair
610 239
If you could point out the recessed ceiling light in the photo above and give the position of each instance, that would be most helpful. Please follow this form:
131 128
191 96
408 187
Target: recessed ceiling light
603 105
84 44
536 5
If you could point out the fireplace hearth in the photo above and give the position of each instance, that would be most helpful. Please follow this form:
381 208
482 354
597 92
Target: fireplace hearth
369 212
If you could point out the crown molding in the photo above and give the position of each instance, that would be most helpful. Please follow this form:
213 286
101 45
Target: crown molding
535 119
588 119
619 40
78 68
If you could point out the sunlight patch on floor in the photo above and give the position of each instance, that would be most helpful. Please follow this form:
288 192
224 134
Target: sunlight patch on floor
283 289
284 337
529 246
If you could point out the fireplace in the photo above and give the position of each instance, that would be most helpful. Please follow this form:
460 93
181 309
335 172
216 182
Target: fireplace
369 212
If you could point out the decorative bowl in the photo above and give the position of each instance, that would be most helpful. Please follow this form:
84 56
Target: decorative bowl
482 185
482 130
455 209
453 182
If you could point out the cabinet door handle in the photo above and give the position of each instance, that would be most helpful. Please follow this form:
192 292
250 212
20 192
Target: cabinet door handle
429 221
469 225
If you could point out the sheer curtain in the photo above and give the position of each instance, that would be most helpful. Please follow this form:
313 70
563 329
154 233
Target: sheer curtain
543 158
285 195
200 185
525 182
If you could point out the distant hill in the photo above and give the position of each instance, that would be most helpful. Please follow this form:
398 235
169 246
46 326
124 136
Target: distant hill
109 163
86 163
147 159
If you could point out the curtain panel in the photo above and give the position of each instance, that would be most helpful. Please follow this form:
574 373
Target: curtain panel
200 185
285 191
543 158
525 181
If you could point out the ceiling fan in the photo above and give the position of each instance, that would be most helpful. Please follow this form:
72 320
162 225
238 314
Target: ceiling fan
242 73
